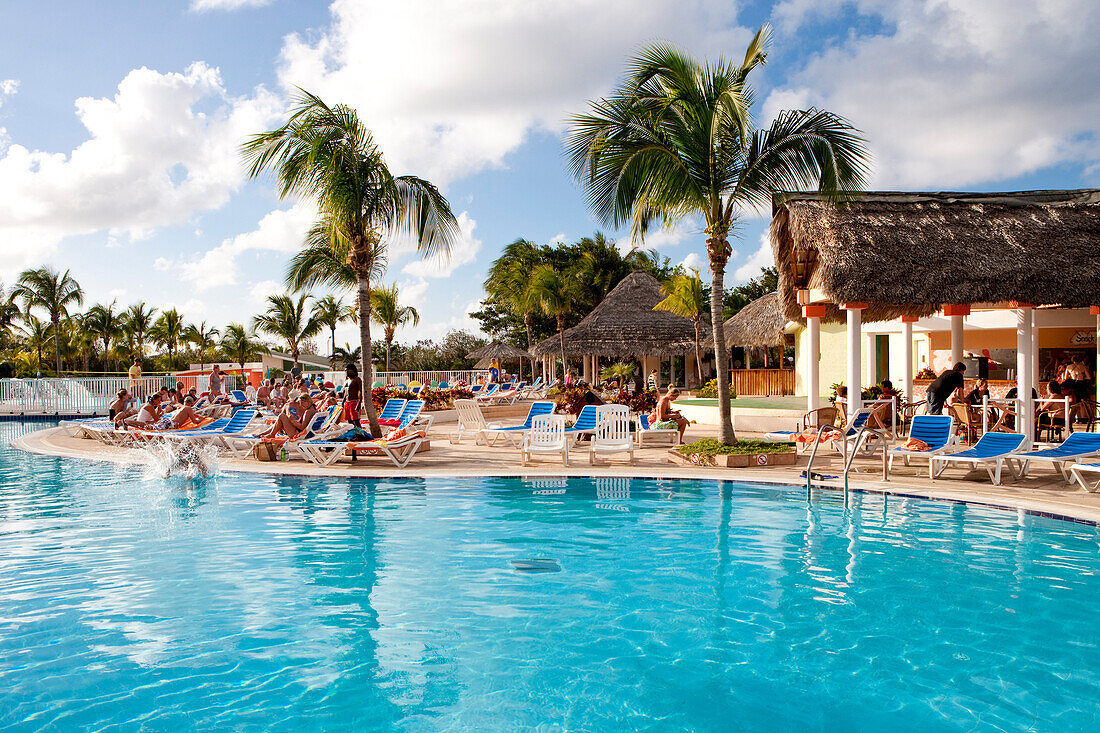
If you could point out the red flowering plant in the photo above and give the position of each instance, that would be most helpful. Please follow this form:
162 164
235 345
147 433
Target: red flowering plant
639 402
379 395
570 400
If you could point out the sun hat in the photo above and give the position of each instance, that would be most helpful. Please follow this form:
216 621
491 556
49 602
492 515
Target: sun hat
294 395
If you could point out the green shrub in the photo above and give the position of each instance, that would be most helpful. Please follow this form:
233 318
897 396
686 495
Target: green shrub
715 447
710 390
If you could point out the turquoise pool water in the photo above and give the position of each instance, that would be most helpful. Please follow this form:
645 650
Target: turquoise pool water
131 602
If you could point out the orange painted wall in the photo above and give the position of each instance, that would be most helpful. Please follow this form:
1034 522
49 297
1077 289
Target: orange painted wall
1003 338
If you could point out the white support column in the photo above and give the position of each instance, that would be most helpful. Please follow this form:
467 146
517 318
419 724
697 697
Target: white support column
869 358
813 314
1025 364
956 313
854 383
1095 310
907 355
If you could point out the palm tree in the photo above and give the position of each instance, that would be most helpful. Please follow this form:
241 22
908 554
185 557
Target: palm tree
106 324
677 139
286 319
347 355
684 297
387 311
554 290
509 280
203 340
326 153
9 312
36 335
167 331
54 293
331 311
138 320
239 345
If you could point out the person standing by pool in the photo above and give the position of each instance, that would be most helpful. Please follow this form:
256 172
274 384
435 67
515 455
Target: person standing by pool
216 378
135 375
948 383
353 396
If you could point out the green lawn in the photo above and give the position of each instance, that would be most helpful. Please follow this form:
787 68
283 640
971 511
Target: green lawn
757 403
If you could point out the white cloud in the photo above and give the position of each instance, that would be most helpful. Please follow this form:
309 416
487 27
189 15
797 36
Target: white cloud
203 5
460 321
413 292
463 252
8 87
164 147
685 230
558 238
694 262
259 292
162 264
961 92
281 230
469 81
762 257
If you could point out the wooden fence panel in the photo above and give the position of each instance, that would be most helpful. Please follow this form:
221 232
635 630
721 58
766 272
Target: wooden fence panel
763 382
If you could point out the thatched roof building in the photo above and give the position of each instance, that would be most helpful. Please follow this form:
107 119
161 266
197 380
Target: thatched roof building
500 351
912 253
760 323
624 325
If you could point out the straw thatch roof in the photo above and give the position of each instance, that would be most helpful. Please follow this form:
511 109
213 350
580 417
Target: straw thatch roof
624 324
500 351
911 253
760 323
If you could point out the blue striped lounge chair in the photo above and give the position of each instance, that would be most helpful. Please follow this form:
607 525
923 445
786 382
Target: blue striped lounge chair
1075 447
644 429
991 452
938 431
514 433
585 423
392 409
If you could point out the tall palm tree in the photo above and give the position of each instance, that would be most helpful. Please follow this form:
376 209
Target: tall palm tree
677 139
346 355
331 311
9 313
327 154
37 336
286 318
167 331
387 311
509 280
555 291
105 323
239 345
54 293
203 340
684 297
138 321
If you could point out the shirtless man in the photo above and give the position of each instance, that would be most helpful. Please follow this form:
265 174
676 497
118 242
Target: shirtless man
353 396
263 394
665 417
179 418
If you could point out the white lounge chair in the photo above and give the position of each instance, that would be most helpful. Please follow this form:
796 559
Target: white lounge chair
327 452
470 421
1073 449
514 433
612 433
547 435
991 452
645 430
323 425
1087 475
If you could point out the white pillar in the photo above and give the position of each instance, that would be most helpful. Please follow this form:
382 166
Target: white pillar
873 377
813 314
1095 310
855 363
907 356
956 339
1025 376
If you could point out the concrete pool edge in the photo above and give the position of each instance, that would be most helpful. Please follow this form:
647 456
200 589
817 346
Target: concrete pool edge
1067 505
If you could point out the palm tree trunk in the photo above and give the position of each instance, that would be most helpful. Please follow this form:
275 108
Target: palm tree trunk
561 341
698 356
527 318
389 341
57 343
721 358
364 339
332 359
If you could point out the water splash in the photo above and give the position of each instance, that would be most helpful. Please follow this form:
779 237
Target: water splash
191 461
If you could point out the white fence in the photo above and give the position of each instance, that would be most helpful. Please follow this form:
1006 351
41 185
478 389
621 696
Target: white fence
82 395
470 376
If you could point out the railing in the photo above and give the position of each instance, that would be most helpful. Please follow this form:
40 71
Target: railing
768 382
468 375
84 395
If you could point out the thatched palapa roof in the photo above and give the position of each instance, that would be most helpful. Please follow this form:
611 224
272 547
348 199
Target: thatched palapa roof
500 351
624 324
760 323
912 253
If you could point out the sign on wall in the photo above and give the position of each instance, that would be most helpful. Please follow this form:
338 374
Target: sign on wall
1083 338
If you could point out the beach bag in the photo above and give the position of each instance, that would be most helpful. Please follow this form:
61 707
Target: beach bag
265 451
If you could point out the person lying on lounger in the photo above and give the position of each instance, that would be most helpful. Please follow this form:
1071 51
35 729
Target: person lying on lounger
121 407
294 418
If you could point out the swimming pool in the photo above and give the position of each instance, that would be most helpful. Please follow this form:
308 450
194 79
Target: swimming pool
502 604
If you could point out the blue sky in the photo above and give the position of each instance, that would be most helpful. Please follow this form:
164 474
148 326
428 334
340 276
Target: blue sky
119 121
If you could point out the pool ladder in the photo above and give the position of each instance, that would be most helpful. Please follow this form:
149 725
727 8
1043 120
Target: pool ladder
861 437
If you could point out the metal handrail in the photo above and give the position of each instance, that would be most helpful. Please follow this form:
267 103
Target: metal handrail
860 436
813 453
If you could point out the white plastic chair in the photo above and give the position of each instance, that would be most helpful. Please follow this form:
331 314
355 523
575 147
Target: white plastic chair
547 435
470 420
612 433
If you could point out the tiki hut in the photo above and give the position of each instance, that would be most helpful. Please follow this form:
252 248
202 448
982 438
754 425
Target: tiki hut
500 351
624 325
760 323
910 254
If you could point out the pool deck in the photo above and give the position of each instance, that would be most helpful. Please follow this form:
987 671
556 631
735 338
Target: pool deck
1041 493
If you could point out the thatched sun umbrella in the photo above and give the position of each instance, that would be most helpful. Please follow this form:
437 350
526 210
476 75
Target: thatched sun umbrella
500 352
